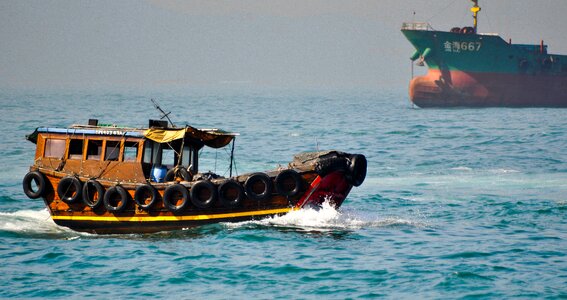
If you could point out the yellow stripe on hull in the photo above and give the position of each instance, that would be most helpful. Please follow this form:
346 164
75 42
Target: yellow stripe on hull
176 218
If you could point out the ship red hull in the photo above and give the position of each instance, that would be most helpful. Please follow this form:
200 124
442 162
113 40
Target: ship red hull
465 89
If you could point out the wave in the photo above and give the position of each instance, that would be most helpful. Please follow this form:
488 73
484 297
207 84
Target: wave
483 171
327 218
503 171
38 224
33 223
461 168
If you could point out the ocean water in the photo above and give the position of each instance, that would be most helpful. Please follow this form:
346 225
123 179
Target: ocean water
458 203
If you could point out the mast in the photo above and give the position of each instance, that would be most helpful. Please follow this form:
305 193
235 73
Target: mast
475 9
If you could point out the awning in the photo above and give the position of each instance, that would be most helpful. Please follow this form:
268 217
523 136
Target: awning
214 138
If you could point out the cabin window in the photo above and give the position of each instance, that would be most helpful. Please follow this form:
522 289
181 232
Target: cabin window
147 152
168 157
94 150
186 156
54 148
75 149
156 154
130 151
162 154
152 153
112 150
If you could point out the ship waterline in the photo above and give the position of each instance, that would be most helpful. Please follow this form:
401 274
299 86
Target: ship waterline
471 89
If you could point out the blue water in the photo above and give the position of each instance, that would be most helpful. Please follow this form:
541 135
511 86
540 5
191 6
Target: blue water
457 202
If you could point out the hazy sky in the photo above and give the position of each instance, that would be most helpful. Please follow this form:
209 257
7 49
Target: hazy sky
293 43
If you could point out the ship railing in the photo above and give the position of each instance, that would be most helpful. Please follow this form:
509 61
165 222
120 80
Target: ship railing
417 26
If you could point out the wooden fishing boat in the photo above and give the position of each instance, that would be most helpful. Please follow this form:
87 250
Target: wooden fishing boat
108 179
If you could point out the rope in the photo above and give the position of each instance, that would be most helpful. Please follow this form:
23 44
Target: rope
171 147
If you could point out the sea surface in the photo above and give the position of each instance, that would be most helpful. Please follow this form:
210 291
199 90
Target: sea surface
458 203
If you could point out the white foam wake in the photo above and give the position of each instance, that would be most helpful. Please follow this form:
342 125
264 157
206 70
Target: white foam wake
327 218
324 218
30 222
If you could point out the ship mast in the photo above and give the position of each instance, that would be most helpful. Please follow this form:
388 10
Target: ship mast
475 9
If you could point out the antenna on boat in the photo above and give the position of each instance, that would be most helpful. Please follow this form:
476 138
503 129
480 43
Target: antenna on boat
164 114
475 9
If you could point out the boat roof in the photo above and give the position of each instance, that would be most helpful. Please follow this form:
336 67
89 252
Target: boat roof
214 138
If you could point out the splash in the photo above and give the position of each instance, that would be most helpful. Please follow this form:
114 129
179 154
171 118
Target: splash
323 218
33 223
327 218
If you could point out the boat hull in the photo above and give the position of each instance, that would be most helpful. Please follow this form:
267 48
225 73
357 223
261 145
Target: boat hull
152 224
309 181
333 187
482 89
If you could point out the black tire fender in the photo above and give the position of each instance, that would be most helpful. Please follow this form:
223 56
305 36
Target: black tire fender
331 164
143 192
357 169
40 182
283 181
91 189
69 189
169 194
227 199
196 193
109 199
181 172
251 184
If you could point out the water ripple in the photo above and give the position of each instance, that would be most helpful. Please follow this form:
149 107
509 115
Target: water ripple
457 203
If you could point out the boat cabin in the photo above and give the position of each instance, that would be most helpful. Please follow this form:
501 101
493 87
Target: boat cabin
106 152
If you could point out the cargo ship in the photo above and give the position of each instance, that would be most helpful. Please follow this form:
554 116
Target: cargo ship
109 179
471 69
